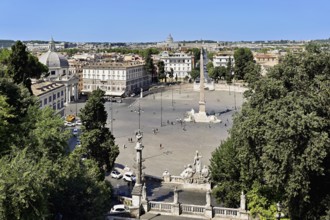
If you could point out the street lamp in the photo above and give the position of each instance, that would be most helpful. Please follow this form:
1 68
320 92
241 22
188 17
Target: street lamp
161 107
234 94
172 97
278 208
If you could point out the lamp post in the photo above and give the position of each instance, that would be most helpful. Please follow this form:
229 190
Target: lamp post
161 107
278 208
235 95
172 97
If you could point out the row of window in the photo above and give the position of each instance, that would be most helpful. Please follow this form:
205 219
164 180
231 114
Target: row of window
107 88
178 61
169 68
112 72
53 97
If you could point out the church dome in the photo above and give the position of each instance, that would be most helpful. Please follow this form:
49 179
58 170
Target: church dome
54 60
169 39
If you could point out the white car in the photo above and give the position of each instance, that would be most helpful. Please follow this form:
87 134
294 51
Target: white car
115 174
129 177
78 122
68 124
119 209
75 131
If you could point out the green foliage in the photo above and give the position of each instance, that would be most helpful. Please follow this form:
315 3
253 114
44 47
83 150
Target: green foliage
196 52
282 138
252 74
209 66
225 174
242 58
80 191
22 66
210 55
149 65
23 187
161 70
194 74
259 205
171 74
93 115
97 140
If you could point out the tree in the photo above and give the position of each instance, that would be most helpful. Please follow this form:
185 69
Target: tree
83 188
22 66
171 74
161 70
149 65
23 191
242 58
282 137
194 74
209 66
97 140
229 73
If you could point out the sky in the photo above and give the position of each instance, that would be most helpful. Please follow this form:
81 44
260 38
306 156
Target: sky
154 20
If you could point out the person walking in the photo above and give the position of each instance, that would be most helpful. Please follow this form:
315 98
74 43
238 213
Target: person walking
160 146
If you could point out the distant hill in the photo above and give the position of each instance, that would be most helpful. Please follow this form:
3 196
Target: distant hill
6 43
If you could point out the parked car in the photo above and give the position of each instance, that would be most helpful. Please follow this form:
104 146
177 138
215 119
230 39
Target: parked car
78 122
119 209
68 124
133 94
129 177
115 174
75 131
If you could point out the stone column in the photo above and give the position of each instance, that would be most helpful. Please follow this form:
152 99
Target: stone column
176 205
243 202
66 94
144 199
208 207
76 92
201 84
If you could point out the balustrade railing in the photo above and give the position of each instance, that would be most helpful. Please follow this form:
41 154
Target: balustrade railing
192 209
219 211
160 206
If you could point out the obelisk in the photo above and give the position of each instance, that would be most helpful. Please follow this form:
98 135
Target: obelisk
201 85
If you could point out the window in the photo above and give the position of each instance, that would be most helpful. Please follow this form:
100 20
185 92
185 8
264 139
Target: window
58 94
62 93
59 105
50 98
45 101
54 96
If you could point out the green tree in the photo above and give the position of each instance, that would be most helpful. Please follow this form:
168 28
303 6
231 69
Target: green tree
161 70
149 65
194 74
209 66
23 187
171 74
229 73
22 66
242 58
83 188
281 136
97 140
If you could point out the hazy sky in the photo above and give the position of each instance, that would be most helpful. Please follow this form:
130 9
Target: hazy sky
154 20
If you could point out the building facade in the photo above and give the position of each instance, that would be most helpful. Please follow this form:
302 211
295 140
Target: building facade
116 79
50 94
223 58
181 64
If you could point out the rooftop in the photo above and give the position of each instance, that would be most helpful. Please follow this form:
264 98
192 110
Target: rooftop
41 88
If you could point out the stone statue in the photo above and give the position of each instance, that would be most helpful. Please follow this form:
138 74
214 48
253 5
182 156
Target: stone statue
188 172
138 136
198 163
205 171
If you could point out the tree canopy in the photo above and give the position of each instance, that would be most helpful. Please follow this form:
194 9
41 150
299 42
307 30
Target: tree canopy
242 56
23 66
279 144
97 140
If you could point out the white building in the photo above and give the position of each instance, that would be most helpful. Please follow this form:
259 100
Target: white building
223 58
50 94
59 72
116 79
181 64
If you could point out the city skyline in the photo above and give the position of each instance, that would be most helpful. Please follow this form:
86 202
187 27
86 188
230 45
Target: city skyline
150 21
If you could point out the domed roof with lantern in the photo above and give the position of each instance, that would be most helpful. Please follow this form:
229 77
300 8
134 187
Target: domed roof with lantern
53 59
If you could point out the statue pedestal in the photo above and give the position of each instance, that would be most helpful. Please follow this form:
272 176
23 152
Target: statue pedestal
136 200
208 212
175 209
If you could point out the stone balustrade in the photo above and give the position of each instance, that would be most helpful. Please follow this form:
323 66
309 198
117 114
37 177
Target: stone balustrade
160 206
192 209
220 211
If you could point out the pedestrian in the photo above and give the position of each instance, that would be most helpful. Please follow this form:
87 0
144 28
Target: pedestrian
124 146
160 146
225 125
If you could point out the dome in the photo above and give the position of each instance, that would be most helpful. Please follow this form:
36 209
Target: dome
54 60
169 39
